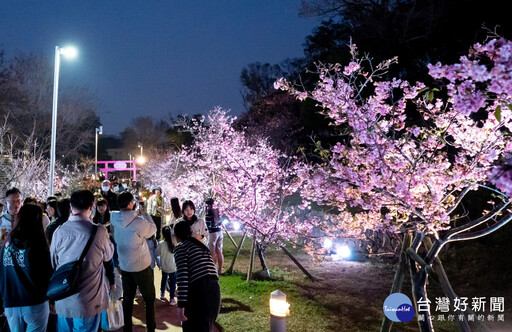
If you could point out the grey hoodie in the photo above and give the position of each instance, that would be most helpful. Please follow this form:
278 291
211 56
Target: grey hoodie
130 233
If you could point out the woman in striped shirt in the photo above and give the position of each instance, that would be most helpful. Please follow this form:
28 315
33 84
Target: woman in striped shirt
198 282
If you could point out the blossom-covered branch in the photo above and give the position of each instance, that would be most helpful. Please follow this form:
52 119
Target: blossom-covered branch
410 150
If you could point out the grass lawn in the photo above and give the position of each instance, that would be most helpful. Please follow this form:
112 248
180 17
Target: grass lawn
348 295
333 303
245 306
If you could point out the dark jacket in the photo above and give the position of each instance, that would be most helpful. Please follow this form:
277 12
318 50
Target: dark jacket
212 220
26 283
103 220
50 229
111 198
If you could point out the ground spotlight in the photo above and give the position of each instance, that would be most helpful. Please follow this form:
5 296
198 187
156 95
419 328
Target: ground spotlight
327 243
342 251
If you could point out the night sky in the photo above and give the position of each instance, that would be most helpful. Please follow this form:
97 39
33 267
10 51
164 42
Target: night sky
156 57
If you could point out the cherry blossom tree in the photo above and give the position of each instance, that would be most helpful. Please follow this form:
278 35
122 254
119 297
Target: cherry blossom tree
409 154
27 168
250 181
171 173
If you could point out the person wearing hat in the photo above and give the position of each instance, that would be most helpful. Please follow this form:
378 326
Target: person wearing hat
109 195
155 208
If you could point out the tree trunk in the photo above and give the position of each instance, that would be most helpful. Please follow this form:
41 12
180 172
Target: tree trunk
399 278
447 288
264 273
230 270
419 293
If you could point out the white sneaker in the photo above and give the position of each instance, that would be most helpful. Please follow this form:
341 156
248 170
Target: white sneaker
162 296
172 302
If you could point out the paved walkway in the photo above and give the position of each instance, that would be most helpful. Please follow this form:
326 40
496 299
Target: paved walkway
165 314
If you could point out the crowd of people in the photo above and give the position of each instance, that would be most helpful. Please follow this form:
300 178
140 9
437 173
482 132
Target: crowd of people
132 237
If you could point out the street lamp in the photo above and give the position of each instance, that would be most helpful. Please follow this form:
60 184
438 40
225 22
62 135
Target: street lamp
140 146
141 159
99 131
69 52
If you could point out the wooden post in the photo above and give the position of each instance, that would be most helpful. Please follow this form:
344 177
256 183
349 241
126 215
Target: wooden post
230 270
251 261
298 264
230 237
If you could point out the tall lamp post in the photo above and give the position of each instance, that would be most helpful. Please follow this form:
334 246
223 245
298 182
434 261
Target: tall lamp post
99 131
140 146
69 52
140 159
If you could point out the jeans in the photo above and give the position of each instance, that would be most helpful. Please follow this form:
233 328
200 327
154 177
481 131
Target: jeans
88 324
143 279
28 318
170 279
203 305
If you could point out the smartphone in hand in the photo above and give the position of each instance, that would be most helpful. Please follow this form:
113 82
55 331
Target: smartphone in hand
142 209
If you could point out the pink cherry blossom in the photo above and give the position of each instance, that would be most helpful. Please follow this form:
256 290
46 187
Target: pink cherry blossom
393 177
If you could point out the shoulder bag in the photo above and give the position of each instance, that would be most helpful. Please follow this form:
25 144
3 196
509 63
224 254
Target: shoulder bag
65 281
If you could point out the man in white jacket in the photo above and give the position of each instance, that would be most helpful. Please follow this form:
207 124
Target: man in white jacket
13 200
130 233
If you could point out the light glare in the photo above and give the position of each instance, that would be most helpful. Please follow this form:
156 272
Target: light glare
327 243
279 308
236 226
278 305
141 160
69 52
342 252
